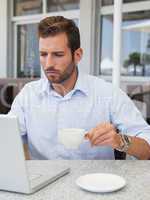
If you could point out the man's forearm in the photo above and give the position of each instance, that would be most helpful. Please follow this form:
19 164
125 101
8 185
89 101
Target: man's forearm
139 148
26 152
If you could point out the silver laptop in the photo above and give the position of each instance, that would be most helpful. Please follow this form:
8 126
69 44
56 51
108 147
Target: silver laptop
15 173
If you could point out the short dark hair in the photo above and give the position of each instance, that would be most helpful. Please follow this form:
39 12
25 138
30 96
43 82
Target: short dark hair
51 26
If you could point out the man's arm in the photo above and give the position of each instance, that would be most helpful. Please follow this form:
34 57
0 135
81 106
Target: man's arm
18 109
26 152
139 148
106 134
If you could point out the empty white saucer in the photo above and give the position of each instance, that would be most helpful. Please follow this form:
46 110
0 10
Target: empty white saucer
101 182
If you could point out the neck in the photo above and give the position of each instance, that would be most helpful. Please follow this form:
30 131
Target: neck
67 85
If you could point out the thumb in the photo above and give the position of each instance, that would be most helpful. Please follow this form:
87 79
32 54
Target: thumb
87 136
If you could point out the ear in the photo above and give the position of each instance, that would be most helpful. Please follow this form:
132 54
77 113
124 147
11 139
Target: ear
78 55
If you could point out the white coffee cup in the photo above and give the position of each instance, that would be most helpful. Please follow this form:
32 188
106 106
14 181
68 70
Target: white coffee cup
71 138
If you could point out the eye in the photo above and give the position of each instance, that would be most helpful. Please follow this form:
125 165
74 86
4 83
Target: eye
58 54
43 54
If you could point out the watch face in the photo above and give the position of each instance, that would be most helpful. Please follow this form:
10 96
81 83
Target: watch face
126 141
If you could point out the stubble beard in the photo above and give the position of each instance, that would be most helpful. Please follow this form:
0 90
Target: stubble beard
64 76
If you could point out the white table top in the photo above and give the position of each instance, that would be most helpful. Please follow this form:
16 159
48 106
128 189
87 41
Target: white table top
136 173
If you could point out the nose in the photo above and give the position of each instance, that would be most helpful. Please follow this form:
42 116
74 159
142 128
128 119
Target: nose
49 62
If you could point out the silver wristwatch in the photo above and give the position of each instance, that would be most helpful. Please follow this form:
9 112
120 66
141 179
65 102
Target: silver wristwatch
125 143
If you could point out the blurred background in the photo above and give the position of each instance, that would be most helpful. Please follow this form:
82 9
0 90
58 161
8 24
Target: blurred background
19 56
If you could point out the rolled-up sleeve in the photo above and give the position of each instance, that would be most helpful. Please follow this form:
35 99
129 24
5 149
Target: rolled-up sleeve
127 118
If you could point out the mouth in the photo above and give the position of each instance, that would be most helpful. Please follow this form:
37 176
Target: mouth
52 72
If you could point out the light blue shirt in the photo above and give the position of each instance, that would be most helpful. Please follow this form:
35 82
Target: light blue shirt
42 112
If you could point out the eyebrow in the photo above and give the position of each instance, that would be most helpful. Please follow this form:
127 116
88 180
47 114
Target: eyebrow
42 51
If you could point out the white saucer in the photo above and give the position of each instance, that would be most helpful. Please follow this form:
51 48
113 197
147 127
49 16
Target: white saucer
101 182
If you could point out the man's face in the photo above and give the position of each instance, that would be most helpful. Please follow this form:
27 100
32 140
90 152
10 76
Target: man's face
56 58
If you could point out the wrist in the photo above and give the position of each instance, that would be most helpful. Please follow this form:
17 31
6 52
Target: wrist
125 142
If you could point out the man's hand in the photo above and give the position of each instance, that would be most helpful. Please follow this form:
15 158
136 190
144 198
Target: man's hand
104 134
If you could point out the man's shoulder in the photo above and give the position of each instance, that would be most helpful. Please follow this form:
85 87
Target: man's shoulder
34 86
96 79
35 83
98 84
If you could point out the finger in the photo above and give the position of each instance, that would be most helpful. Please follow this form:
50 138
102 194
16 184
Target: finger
99 133
98 127
113 140
102 138
90 133
101 128
106 142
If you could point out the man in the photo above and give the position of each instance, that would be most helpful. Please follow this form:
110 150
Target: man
66 98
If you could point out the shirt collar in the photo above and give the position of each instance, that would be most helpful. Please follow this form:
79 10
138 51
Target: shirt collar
45 86
80 85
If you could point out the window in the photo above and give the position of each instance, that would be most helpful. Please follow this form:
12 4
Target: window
28 64
107 2
27 14
106 44
27 7
111 2
59 5
130 1
135 67
136 46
